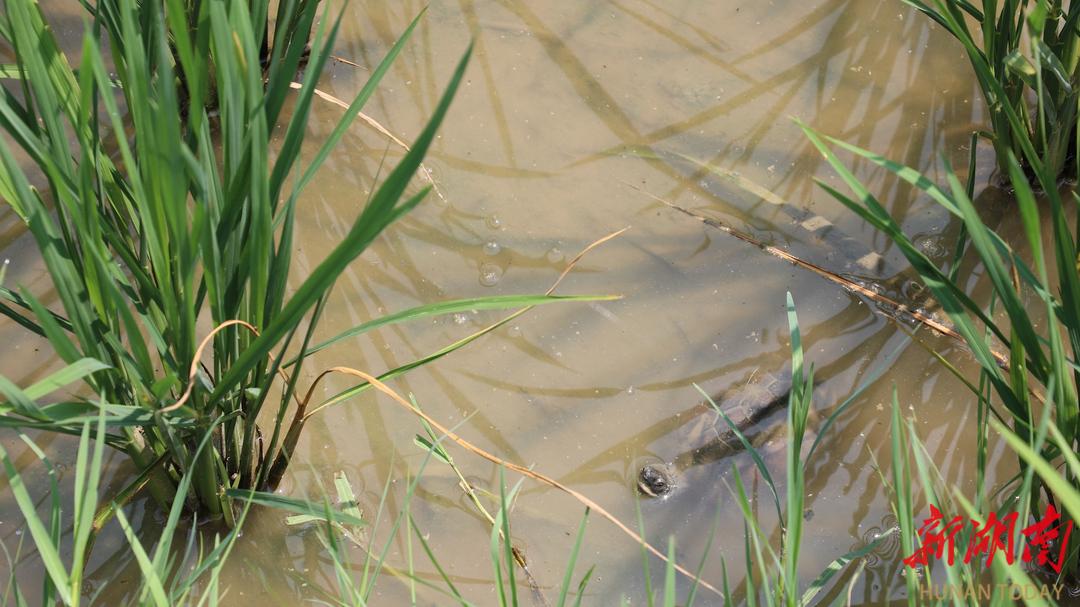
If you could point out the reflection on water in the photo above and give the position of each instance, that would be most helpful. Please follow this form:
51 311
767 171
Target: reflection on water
566 105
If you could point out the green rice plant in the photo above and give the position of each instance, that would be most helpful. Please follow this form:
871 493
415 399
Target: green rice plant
166 224
1039 372
167 578
980 584
1026 59
282 50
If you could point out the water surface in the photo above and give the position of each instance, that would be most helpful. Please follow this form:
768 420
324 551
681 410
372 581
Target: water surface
572 114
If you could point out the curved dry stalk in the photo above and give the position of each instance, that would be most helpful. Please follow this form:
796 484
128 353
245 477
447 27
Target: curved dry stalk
573 262
524 471
194 369
378 127
302 414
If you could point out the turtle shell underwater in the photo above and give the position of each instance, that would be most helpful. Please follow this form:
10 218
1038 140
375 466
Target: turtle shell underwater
745 405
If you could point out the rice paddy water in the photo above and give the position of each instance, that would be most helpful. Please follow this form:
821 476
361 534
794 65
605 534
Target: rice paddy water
570 113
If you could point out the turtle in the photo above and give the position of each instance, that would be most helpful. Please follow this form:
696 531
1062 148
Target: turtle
745 406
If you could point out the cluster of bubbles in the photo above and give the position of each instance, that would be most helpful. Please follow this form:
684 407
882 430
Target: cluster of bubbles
490 273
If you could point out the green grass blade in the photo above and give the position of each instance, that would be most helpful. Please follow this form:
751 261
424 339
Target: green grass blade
438 567
836 566
669 575
358 103
750 449
498 302
47 550
852 398
147 568
582 585
572 561
902 501
289 504
1058 485
645 570
64 377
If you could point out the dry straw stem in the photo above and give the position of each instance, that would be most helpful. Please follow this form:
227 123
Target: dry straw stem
347 62
193 371
378 127
850 285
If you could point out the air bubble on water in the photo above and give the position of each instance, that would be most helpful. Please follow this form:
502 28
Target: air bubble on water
554 255
493 222
490 274
460 319
514 331
491 248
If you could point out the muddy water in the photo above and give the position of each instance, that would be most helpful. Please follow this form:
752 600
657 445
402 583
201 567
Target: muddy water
570 113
